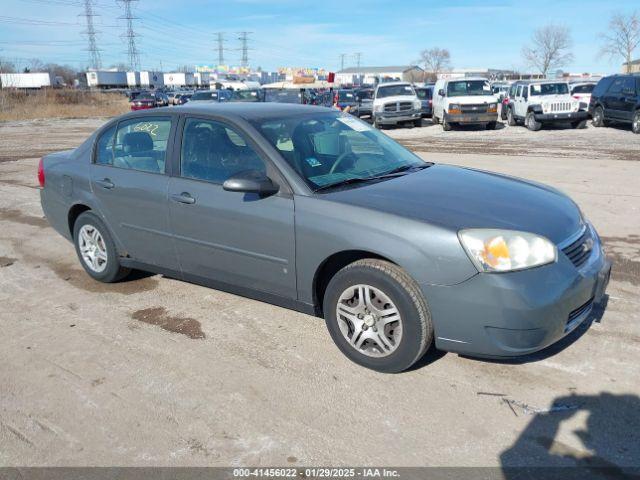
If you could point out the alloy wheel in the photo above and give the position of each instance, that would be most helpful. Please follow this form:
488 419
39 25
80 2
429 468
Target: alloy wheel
369 320
92 248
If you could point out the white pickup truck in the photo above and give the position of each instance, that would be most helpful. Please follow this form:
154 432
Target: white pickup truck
464 100
396 102
541 102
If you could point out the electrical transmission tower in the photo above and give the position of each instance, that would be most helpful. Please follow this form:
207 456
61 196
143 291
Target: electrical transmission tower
130 35
342 55
220 42
90 32
244 40
358 56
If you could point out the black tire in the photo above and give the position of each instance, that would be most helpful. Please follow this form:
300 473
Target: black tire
417 328
579 124
511 118
635 124
435 120
531 122
503 112
492 125
446 126
376 123
113 271
598 117
417 123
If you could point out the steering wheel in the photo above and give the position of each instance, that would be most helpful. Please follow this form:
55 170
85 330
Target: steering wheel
339 160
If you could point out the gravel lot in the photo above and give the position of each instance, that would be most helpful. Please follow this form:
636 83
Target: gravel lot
153 371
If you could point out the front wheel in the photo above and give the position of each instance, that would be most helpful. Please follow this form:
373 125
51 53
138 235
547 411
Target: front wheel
511 119
492 125
417 123
598 117
635 125
377 316
96 250
446 126
532 123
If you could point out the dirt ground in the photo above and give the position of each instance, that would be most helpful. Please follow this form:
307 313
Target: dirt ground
153 371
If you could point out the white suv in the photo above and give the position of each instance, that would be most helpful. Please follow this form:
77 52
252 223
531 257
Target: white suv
464 100
541 102
396 102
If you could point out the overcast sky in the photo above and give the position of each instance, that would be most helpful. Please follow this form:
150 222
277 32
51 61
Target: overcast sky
478 34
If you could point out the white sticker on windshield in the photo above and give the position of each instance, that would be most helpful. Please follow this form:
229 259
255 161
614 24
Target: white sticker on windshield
536 88
486 87
356 125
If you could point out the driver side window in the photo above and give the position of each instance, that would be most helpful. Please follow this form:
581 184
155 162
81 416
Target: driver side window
213 152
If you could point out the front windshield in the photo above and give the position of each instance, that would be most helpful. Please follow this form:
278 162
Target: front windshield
282 96
330 148
346 97
550 89
468 87
423 93
586 88
395 91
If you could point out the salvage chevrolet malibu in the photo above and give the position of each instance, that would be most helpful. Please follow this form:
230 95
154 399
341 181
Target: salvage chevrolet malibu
312 209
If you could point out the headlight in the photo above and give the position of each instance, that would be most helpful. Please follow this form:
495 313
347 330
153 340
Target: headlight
454 108
493 107
506 250
417 104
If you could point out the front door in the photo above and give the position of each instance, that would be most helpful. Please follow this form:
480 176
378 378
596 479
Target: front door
130 183
237 238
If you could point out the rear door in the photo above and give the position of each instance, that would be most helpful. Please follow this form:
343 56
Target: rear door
240 239
613 100
129 180
520 101
628 99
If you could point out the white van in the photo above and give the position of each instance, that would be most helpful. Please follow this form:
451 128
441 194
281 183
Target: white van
464 100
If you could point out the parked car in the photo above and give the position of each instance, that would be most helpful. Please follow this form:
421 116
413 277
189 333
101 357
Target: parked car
506 100
211 96
541 102
248 95
312 209
464 101
616 99
345 98
364 97
143 101
183 98
582 91
396 103
425 94
283 95
171 97
162 100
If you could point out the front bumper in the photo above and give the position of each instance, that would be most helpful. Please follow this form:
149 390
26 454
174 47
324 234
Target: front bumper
562 117
510 314
396 117
471 117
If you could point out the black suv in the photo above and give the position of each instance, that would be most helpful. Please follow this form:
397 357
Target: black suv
616 99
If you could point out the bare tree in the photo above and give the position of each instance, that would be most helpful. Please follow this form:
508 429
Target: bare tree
6 66
622 38
435 60
549 49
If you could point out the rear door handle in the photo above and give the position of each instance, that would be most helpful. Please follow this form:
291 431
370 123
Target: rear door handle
183 197
106 183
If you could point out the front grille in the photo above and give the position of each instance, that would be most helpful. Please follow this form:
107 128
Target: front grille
578 315
474 108
580 250
560 107
398 107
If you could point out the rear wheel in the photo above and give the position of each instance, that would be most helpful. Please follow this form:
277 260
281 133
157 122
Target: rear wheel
598 117
635 125
96 250
532 123
377 316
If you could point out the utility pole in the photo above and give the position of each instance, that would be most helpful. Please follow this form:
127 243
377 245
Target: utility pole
132 51
220 43
244 40
342 55
90 32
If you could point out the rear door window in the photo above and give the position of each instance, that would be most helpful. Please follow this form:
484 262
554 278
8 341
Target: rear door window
616 86
141 144
602 86
629 86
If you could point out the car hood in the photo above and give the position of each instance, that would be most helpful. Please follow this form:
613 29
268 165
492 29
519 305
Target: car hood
397 98
550 98
457 198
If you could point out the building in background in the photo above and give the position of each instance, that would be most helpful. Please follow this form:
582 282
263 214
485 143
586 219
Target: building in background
633 67
372 75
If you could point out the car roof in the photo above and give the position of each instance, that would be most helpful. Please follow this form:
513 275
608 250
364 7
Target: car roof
392 84
240 110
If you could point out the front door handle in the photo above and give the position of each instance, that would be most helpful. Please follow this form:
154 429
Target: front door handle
183 197
106 183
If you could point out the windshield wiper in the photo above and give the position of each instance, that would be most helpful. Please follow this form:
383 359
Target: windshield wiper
390 174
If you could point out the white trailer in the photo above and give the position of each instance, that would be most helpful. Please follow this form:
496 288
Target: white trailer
151 79
107 79
26 80
179 79
133 79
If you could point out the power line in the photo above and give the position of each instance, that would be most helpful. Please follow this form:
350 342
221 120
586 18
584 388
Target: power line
342 55
244 40
90 32
132 51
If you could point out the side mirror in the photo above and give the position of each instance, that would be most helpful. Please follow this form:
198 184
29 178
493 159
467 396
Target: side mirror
251 181
441 92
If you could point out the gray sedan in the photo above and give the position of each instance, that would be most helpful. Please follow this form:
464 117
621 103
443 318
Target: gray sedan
314 210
